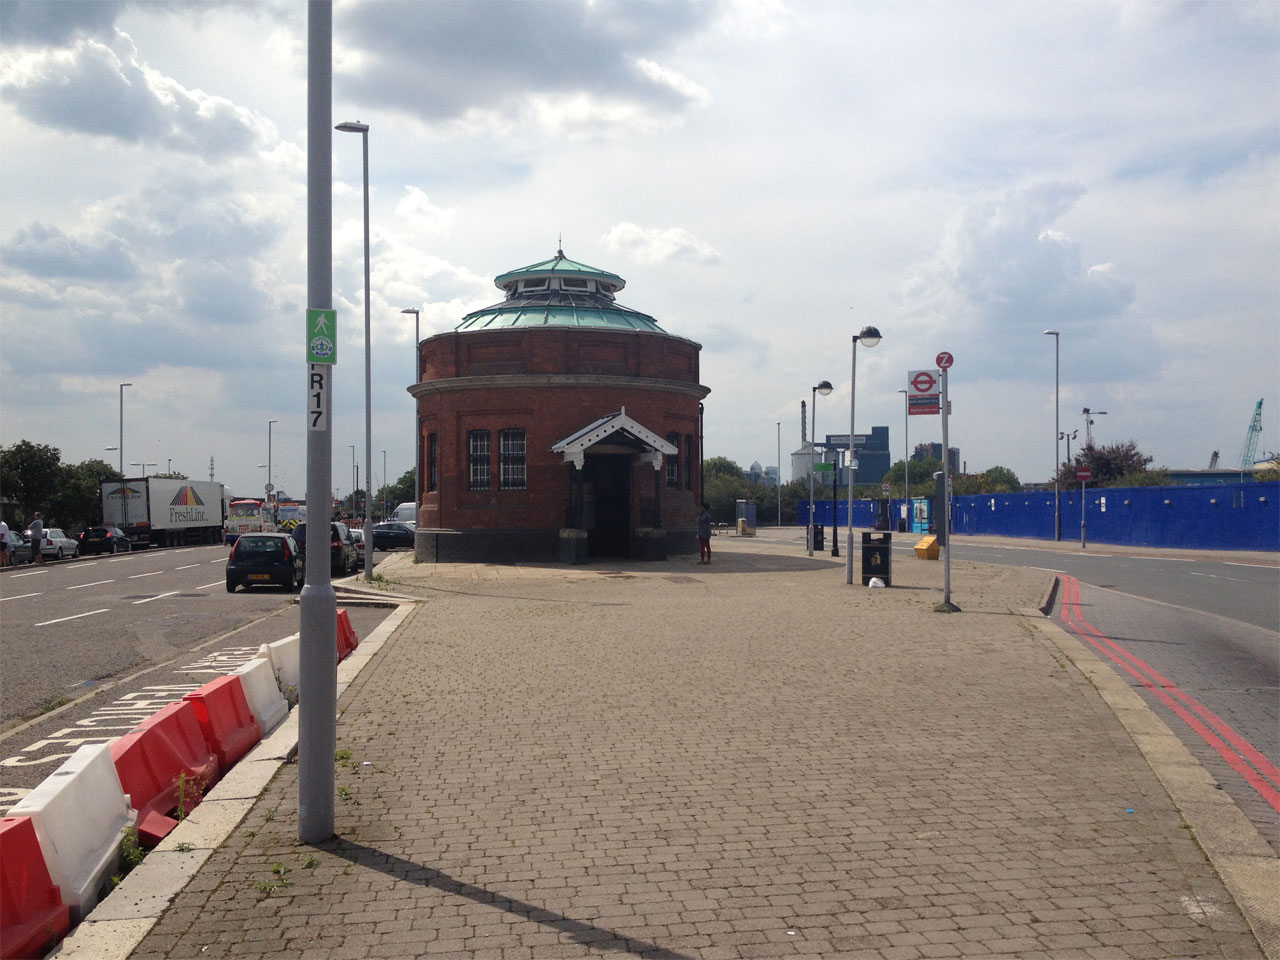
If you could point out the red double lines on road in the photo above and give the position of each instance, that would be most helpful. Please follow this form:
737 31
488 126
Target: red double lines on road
1244 758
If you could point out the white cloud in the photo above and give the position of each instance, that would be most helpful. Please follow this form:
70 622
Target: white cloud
653 245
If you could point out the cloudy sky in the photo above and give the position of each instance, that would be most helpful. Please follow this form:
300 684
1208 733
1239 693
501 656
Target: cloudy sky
768 176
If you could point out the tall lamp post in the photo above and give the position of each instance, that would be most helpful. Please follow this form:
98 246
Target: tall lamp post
779 484
269 486
144 466
124 499
823 387
383 499
363 130
906 454
1057 433
355 476
417 429
869 336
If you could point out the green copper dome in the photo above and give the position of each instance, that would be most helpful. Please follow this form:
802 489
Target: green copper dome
559 293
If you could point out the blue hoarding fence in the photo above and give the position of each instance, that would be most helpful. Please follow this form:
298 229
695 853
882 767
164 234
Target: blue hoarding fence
1239 516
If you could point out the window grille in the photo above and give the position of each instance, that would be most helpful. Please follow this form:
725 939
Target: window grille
673 463
433 462
688 461
512 462
478 459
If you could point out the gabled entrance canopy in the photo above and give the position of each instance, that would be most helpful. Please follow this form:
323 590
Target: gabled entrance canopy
616 433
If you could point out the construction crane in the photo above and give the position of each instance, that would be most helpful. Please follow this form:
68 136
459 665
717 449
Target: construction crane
1213 461
1251 438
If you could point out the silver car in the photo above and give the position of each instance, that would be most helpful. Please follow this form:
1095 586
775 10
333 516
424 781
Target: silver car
56 544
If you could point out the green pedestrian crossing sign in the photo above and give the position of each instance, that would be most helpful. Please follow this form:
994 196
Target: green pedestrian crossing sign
322 336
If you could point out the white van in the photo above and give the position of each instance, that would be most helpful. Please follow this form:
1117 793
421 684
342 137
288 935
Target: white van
406 513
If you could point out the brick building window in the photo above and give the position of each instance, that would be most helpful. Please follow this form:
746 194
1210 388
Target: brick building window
478 459
673 463
433 462
688 461
511 459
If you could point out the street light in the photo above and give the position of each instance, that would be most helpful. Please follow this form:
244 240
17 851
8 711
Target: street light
383 499
824 387
355 476
124 500
869 336
269 497
779 483
363 130
1057 433
906 454
144 467
417 430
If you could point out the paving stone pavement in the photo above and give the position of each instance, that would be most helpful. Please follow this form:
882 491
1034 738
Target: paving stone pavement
746 759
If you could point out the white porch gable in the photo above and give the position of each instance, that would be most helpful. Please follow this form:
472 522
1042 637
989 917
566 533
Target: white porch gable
575 446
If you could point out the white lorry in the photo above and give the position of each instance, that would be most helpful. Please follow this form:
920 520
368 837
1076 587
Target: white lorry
406 513
160 512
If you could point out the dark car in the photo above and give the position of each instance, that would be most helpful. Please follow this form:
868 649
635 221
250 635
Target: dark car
261 559
344 558
392 534
104 540
19 547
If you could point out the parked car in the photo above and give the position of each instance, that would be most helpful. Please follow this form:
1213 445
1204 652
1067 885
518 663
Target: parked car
357 535
104 540
19 548
343 555
56 544
262 559
392 534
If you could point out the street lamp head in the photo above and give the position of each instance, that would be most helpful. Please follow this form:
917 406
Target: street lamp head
902 389
126 384
413 310
353 127
869 336
1051 333
824 387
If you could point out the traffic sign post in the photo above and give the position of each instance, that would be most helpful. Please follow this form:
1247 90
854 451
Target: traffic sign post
923 392
944 360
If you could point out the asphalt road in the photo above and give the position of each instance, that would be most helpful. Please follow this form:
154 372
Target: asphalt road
94 646
70 627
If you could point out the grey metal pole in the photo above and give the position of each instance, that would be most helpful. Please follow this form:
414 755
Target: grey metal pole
813 447
124 499
1057 433
368 383
906 455
779 484
945 519
417 429
853 397
318 668
269 492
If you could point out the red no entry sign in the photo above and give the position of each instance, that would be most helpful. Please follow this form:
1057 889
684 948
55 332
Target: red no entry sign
943 360
923 381
1084 473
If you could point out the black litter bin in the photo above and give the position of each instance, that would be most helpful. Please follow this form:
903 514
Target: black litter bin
817 536
877 556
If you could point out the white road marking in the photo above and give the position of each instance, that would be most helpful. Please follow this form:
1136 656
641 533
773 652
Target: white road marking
214 584
1170 559
1239 563
96 583
33 573
21 596
189 566
154 573
46 623
159 596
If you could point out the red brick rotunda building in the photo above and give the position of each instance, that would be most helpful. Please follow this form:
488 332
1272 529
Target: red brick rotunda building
558 424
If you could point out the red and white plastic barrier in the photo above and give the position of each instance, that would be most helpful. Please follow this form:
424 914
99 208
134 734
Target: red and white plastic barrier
225 719
78 812
346 635
258 681
163 763
33 917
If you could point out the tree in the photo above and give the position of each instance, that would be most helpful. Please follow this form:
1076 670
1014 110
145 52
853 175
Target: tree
29 474
920 472
78 502
721 467
1110 466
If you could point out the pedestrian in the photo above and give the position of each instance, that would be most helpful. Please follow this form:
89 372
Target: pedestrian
5 559
704 534
37 539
